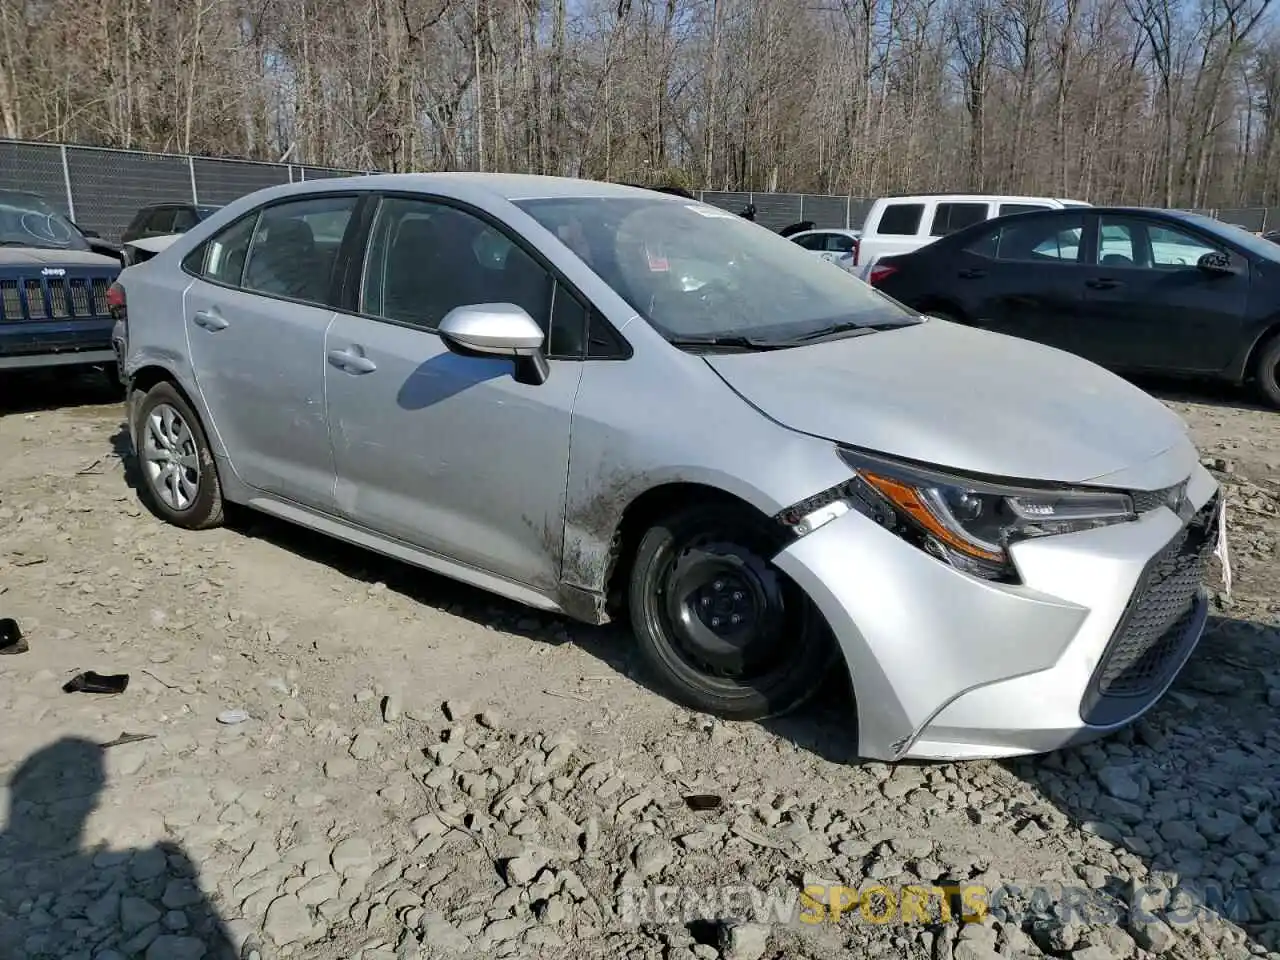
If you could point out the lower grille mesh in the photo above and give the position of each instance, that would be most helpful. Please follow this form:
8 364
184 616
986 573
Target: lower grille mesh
1160 612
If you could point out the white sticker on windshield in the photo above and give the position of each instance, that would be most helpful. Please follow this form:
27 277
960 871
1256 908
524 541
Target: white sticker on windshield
706 210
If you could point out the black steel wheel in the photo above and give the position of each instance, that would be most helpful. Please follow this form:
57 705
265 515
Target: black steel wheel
721 628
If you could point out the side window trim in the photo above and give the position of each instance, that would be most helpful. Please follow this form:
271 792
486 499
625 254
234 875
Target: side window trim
355 306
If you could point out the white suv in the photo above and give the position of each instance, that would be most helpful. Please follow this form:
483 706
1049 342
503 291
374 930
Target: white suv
896 225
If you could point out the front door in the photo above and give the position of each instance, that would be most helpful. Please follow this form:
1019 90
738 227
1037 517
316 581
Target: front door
1148 306
450 453
256 321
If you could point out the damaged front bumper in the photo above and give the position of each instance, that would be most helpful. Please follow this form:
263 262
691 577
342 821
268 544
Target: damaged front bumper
948 666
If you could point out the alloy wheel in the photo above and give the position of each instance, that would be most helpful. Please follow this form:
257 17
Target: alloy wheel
170 459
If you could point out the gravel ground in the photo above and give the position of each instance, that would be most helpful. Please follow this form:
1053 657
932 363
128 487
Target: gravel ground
421 770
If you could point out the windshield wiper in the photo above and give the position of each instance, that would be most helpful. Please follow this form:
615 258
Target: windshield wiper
848 328
727 341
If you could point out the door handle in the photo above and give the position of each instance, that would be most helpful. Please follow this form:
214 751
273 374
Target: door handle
352 362
1102 283
972 274
210 320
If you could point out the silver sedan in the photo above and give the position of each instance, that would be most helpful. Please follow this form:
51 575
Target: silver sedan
606 402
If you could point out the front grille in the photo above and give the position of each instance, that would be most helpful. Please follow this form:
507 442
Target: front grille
1160 612
54 298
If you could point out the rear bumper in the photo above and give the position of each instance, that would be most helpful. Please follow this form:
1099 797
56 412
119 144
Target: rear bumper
945 666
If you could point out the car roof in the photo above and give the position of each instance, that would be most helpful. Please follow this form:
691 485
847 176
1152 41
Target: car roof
506 186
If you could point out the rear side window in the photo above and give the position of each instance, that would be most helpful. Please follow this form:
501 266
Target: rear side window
901 220
950 217
1051 239
839 243
295 247
222 258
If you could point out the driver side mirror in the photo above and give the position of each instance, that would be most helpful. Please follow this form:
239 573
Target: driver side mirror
1216 263
498 330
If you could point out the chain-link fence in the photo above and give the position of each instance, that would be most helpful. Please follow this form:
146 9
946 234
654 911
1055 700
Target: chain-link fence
101 189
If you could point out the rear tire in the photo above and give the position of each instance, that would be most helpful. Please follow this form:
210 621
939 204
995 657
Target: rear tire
179 480
1267 372
719 627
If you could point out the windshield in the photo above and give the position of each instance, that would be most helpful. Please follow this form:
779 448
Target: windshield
27 221
694 271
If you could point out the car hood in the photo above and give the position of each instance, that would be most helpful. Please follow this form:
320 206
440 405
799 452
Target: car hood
970 400
38 256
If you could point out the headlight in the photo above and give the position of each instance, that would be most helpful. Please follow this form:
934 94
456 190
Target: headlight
967 523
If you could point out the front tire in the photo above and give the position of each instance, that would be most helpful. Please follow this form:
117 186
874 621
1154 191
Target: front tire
179 481
1267 372
723 630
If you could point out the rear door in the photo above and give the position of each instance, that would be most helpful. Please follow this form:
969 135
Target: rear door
256 319
1147 304
1024 277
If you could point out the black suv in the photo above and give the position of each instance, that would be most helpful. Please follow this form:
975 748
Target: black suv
162 219
54 308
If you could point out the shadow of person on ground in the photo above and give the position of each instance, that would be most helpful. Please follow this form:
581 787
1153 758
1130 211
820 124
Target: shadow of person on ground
59 899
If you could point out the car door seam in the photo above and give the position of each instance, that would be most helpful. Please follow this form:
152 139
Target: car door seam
328 421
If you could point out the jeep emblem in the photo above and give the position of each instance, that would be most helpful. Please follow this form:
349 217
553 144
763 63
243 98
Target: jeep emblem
53 272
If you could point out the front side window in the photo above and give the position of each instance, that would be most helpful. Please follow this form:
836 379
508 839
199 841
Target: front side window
694 271
426 258
295 247
812 241
1116 247
839 243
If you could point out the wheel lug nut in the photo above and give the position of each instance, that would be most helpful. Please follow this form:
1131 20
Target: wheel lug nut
735 619
705 601
715 621
718 585
737 594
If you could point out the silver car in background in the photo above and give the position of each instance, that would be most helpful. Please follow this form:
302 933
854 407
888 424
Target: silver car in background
597 400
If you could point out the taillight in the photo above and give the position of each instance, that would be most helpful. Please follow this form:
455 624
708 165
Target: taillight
116 300
879 273
857 249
